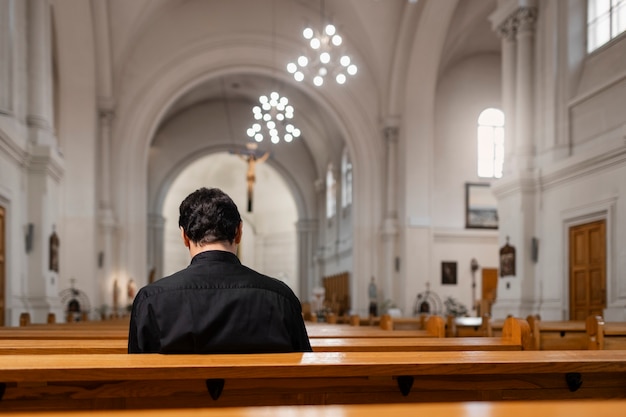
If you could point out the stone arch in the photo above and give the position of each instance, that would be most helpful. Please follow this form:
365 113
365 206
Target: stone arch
141 110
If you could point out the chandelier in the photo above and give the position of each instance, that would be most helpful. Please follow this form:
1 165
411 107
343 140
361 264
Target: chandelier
273 120
324 59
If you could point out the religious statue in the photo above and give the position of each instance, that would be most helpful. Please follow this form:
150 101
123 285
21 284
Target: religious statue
373 297
54 251
507 260
252 156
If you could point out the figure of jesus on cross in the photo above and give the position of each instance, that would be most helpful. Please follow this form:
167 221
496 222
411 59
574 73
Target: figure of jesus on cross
252 156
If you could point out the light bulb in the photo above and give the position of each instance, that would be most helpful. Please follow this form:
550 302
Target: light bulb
258 137
352 69
330 30
303 61
307 33
345 60
318 81
298 76
250 132
263 99
336 40
325 57
291 68
341 78
280 117
296 133
315 43
275 139
288 138
271 124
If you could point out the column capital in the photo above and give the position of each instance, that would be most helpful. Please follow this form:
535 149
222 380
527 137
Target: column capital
512 17
391 133
525 19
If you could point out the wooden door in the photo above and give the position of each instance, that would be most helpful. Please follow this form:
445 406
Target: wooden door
587 270
2 264
489 290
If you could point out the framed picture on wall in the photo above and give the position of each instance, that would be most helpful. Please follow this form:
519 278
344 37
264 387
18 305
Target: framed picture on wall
448 273
481 211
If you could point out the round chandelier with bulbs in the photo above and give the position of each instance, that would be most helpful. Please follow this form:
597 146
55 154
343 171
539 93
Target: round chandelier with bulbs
273 119
324 59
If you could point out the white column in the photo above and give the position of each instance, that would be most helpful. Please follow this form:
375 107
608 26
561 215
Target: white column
6 57
509 56
106 217
390 222
524 147
41 289
40 114
156 226
307 244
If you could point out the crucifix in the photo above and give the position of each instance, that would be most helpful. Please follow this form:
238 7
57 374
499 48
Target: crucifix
252 156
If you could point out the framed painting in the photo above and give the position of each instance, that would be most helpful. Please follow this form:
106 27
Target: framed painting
448 273
481 211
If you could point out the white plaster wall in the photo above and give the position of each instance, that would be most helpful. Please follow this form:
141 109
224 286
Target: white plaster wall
463 92
580 200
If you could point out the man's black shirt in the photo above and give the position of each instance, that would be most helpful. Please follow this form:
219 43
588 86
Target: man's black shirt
217 305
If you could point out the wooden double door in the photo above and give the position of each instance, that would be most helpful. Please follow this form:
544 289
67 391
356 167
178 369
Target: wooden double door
587 270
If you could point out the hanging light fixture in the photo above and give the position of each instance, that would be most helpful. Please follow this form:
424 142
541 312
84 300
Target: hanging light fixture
273 119
324 58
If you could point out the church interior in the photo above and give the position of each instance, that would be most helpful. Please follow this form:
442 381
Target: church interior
463 156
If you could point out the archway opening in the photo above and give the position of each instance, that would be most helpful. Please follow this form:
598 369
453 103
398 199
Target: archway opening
269 236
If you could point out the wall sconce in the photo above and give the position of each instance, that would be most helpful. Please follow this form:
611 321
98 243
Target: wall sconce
29 231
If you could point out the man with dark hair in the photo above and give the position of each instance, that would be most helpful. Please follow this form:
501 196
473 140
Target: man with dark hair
215 305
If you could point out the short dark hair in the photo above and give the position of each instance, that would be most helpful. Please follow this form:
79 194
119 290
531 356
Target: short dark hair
209 215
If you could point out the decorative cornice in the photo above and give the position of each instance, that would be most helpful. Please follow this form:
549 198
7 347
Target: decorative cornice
41 159
13 150
576 169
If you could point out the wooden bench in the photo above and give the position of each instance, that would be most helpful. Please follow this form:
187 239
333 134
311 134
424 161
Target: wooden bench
31 382
570 408
558 335
516 336
603 335
468 326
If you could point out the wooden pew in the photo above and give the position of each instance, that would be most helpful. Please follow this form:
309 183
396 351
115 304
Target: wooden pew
516 336
558 335
62 333
32 382
605 335
469 326
569 408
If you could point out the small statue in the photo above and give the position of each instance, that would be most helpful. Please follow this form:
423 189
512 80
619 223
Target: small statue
373 297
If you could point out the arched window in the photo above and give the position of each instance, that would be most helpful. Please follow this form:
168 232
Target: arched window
490 143
606 19
331 197
346 180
